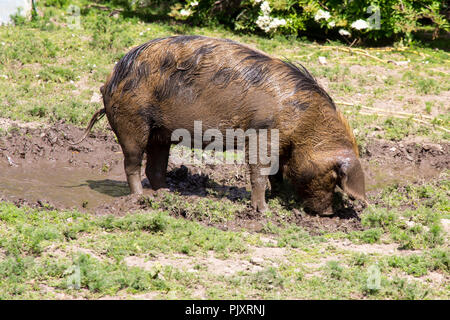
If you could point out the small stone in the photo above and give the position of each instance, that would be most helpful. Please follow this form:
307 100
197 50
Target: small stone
96 97
410 224
257 261
402 63
377 128
432 146
323 60
446 225
297 212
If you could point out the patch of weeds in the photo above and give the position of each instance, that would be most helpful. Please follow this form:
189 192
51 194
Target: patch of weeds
359 259
397 129
158 232
428 106
389 81
398 289
413 228
267 279
271 228
56 74
379 218
419 265
422 84
38 111
296 237
104 278
427 86
371 235
201 209
335 270
153 222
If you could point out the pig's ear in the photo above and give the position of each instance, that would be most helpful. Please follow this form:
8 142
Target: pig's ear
102 90
351 178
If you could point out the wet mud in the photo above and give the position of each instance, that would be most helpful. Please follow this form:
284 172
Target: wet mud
39 168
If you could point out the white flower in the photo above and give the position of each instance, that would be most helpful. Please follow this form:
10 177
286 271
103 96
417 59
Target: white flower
321 14
263 22
194 3
360 25
343 32
265 8
257 1
268 23
332 23
275 23
185 13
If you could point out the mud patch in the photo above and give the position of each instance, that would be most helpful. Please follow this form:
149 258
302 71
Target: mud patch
387 162
39 168
55 185
29 145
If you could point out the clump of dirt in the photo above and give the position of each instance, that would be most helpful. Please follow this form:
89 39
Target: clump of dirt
388 162
90 176
429 155
36 204
24 145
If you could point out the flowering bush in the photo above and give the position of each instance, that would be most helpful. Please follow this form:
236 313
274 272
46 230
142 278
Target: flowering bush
371 19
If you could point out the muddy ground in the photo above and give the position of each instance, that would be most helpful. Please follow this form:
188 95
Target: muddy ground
39 168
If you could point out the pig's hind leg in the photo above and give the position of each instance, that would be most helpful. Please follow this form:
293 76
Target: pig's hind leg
133 160
157 160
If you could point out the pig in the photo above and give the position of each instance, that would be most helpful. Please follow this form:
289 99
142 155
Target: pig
168 83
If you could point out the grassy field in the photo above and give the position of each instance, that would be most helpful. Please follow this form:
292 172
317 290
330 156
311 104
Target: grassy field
177 247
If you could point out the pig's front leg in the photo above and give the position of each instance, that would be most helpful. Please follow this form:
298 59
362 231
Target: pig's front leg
258 182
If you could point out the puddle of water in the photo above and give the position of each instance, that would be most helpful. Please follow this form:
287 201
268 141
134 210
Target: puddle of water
69 186
62 184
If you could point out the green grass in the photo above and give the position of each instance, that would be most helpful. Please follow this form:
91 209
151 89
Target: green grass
409 215
29 237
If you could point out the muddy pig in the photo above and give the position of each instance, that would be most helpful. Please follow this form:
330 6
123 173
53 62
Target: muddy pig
168 83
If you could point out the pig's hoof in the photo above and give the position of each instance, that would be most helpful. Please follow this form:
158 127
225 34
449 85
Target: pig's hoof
156 186
260 208
326 213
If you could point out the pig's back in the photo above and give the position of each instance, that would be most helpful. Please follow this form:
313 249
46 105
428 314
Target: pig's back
219 82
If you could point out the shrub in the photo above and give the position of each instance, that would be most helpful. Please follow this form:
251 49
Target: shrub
364 19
